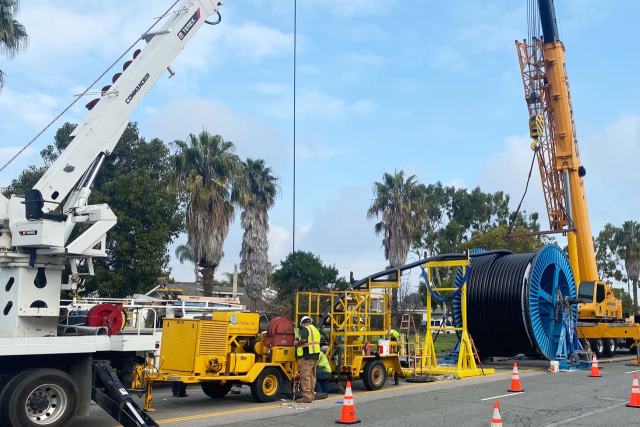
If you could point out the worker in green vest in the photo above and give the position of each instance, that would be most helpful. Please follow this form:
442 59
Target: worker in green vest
394 335
323 375
309 343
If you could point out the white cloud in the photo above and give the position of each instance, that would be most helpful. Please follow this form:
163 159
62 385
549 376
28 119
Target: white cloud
280 245
184 116
272 88
507 171
33 108
316 104
342 235
611 184
447 57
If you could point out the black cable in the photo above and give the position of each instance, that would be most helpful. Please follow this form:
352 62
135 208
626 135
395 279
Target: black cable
515 217
295 32
214 23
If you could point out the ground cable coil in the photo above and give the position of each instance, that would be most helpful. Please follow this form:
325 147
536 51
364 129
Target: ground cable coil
512 300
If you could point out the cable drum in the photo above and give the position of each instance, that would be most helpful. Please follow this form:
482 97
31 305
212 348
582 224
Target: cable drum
512 299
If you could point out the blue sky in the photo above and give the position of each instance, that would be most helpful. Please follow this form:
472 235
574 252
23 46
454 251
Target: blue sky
426 86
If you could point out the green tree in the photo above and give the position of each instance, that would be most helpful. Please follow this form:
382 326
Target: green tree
606 258
257 191
183 253
13 35
627 303
206 169
495 238
134 181
627 240
401 206
308 273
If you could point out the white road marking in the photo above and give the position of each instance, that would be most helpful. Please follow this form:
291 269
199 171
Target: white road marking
503 395
631 372
568 420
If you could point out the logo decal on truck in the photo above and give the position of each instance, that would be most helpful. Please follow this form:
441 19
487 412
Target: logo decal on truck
28 233
189 25
137 88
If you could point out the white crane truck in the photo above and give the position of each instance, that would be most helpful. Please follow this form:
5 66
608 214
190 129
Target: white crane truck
48 377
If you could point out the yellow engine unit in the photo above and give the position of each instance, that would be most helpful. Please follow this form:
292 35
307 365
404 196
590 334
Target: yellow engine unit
223 350
203 347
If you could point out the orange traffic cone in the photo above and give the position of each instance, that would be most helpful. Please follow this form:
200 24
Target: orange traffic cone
496 420
348 415
595 371
634 400
515 380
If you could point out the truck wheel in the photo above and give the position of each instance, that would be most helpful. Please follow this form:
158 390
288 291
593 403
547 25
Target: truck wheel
39 397
374 375
609 347
216 390
266 388
597 346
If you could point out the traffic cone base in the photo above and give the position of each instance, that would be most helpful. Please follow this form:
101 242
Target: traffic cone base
515 381
634 400
348 415
496 420
595 370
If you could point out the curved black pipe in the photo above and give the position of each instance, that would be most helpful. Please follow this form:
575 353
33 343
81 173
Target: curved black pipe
442 257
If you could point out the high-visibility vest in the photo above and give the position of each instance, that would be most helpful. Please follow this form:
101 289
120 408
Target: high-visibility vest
394 334
313 341
362 329
323 363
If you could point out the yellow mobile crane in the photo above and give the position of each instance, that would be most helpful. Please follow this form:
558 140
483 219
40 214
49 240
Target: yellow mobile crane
555 143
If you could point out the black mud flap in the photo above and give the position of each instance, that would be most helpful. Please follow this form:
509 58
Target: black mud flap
112 396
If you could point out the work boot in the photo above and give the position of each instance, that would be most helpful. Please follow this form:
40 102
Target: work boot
340 388
305 400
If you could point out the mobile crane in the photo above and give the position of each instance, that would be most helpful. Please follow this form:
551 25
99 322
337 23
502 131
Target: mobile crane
555 142
47 378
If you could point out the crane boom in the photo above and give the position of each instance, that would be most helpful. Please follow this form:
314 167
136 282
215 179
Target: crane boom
548 94
33 238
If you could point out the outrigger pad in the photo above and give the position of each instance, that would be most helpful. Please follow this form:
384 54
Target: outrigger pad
419 380
112 396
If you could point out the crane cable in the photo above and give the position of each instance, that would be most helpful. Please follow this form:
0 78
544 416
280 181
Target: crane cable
92 84
512 222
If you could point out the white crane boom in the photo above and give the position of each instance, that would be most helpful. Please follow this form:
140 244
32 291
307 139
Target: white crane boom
33 238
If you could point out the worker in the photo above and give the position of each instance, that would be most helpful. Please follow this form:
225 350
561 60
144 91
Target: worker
309 353
179 389
323 375
394 335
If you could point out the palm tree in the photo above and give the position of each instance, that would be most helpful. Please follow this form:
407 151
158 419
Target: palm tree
256 195
627 241
13 36
206 168
183 253
401 205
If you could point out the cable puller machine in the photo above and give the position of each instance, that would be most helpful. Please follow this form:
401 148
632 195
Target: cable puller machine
37 358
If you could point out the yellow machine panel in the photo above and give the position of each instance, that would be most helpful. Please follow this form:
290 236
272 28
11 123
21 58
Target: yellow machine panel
240 363
283 354
179 338
239 323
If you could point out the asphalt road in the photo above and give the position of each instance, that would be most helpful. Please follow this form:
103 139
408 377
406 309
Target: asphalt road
571 399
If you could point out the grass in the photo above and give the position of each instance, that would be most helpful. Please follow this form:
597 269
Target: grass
445 342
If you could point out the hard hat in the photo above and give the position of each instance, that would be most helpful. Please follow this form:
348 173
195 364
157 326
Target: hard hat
305 319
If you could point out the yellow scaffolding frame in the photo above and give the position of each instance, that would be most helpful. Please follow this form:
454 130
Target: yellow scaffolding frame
427 363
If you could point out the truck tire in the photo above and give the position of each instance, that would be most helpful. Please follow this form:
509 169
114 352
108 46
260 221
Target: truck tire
216 390
40 397
374 375
597 347
609 347
267 387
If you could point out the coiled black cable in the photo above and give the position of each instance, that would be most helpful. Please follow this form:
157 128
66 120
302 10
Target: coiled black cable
496 290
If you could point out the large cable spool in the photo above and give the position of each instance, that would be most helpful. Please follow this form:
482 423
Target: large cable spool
512 300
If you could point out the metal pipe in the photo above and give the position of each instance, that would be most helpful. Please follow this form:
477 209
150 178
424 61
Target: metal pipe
99 161
82 330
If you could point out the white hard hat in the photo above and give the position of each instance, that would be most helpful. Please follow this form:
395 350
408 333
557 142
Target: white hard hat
305 319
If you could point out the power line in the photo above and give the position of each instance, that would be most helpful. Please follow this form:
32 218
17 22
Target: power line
295 28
